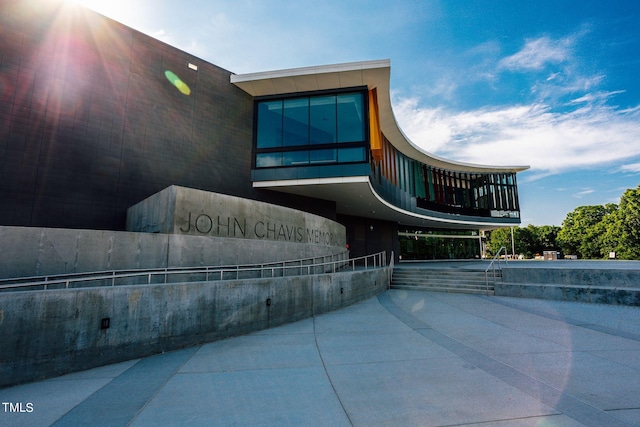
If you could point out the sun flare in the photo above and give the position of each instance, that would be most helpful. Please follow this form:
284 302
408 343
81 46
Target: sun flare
119 10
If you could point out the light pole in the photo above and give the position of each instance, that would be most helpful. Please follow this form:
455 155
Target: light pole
513 245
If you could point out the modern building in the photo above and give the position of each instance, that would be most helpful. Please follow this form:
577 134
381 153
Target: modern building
96 117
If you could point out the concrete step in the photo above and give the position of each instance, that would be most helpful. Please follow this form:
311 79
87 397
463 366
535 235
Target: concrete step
444 280
443 277
451 289
444 274
458 283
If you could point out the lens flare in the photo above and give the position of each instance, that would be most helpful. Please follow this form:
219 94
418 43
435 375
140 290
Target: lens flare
179 84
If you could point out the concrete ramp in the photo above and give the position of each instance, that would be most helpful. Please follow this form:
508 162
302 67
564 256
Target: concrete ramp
400 359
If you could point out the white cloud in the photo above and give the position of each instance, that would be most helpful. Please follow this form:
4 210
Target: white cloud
583 193
550 142
631 167
553 76
537 53
595 97
444 87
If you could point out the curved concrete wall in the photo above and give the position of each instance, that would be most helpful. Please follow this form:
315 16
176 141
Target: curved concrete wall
28 251
49 333
180 210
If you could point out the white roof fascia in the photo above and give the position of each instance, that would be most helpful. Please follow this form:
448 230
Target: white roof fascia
373 74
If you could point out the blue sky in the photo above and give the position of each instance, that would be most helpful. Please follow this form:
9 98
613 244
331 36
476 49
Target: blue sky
550 84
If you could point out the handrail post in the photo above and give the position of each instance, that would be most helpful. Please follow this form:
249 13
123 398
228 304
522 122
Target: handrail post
492 264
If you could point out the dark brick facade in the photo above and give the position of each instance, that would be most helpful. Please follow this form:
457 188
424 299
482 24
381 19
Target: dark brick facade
90 124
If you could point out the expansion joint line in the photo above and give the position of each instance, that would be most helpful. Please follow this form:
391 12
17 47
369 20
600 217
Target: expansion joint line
574 322
324 366
550 396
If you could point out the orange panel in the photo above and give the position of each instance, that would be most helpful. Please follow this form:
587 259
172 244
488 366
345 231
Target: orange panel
374 126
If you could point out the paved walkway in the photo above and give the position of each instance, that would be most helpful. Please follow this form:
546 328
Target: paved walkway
529 263
403 358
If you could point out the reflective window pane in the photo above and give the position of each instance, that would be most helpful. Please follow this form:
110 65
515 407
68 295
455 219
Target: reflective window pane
269 132
322 111
292 158
346 155
296 122
350 118
266 160
323 156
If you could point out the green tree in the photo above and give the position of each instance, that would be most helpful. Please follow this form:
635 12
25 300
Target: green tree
498 238
583 231
529 241
525 239
540 239
622 227
591 232
546 238
611 240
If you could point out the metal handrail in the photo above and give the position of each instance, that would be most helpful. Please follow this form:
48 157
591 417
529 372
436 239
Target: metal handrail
391 266
210 273
338 256
492 263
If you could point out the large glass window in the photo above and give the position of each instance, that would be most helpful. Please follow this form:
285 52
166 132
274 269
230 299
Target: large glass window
269 124
350 120
305 130
425 246
464 193
296 122
323 119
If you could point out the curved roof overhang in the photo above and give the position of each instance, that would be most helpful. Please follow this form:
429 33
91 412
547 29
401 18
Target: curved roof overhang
355 195
373 74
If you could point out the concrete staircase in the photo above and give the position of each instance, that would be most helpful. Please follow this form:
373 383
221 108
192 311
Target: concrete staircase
444 280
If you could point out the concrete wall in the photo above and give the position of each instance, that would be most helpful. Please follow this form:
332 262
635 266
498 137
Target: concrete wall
180 210
49 333
31 251
610 277
602 286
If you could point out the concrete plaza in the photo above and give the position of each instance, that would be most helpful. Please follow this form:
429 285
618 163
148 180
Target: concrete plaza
402 358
